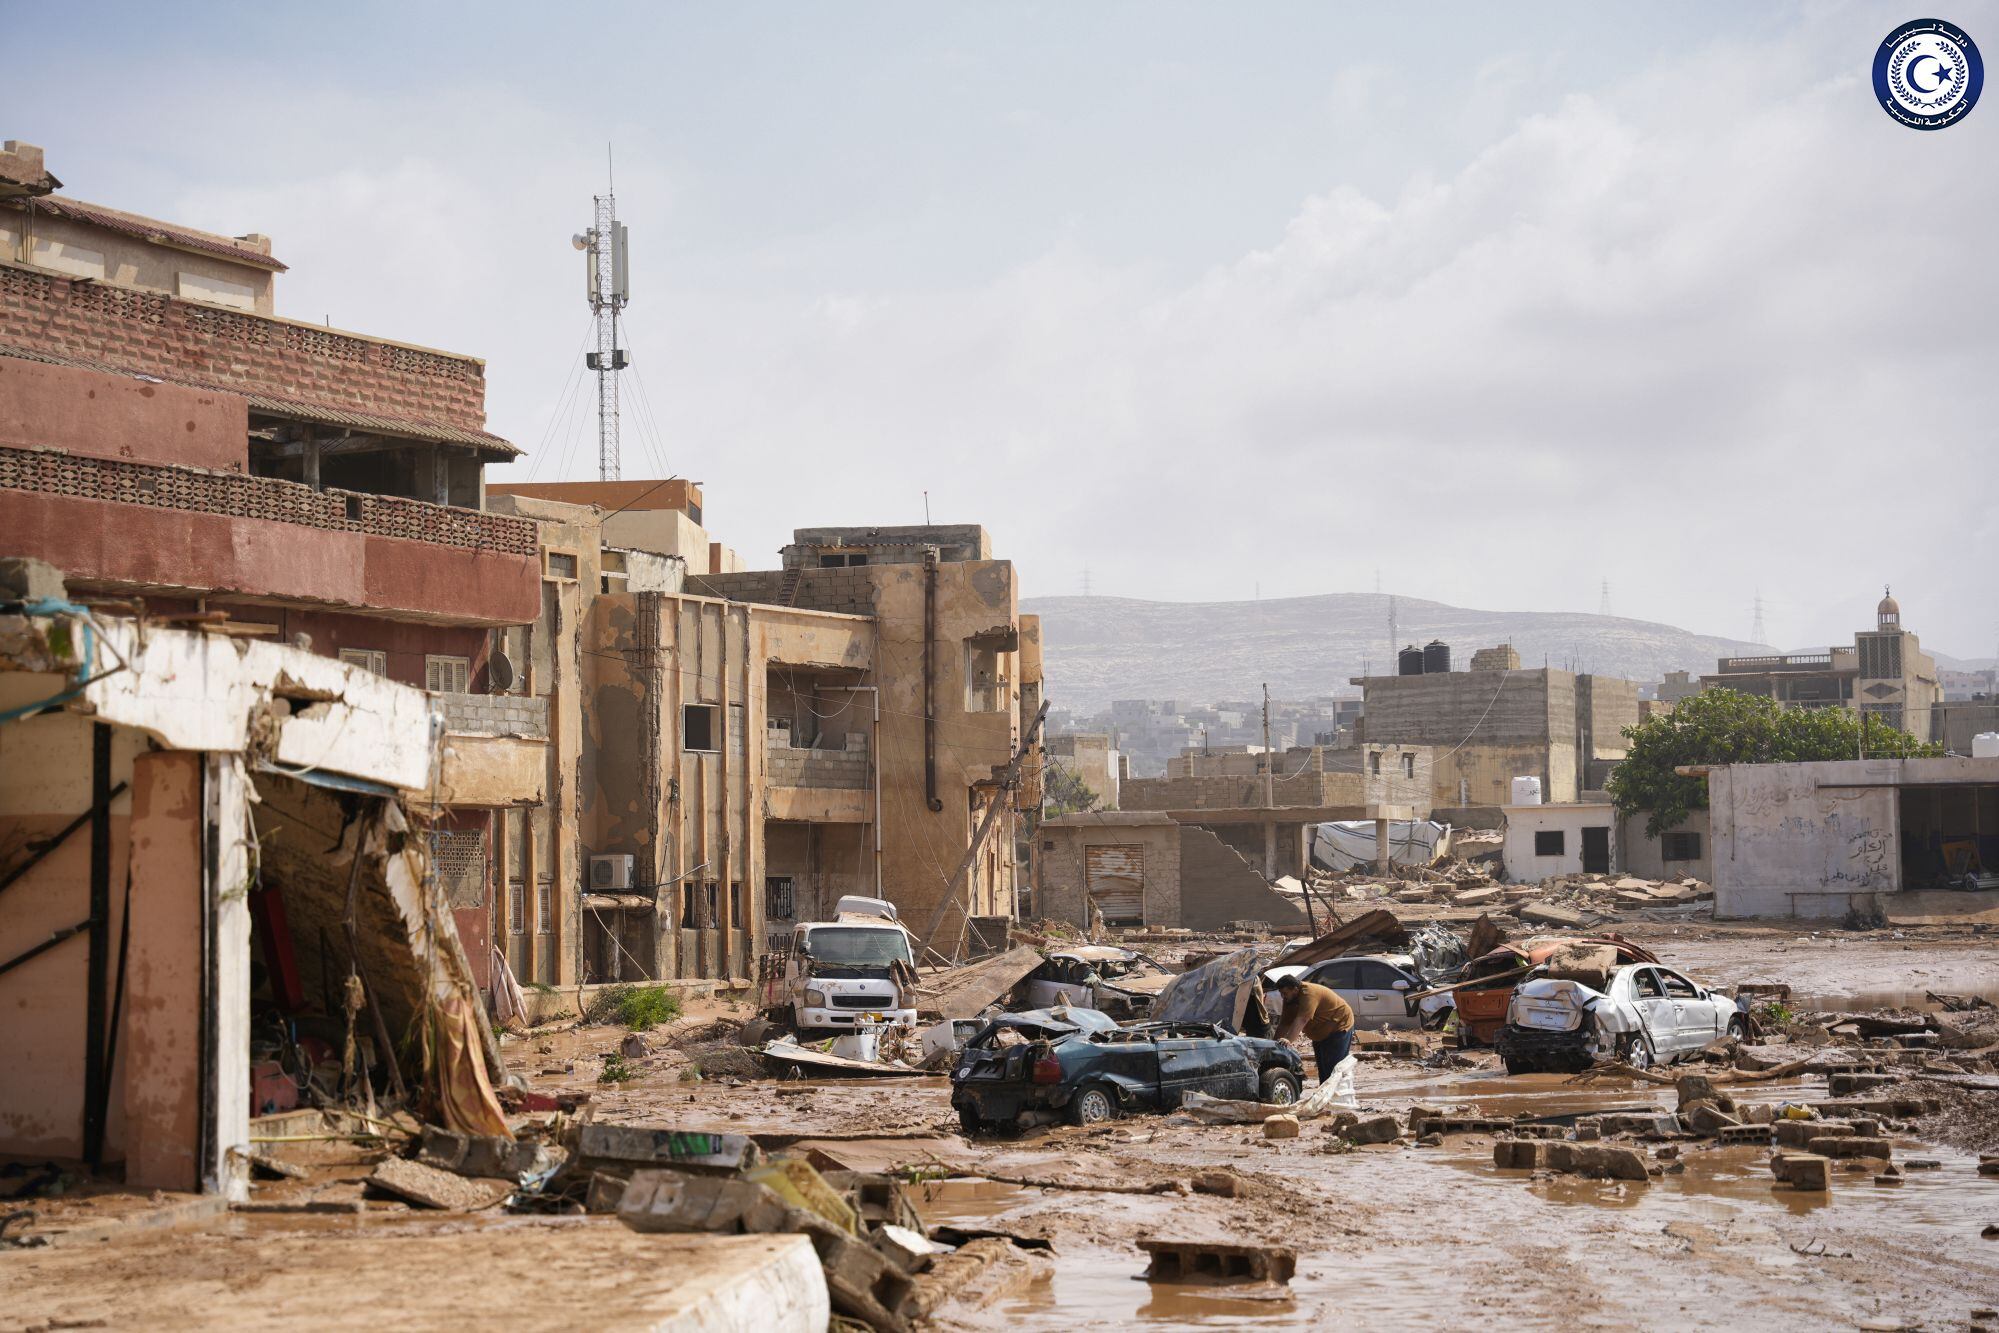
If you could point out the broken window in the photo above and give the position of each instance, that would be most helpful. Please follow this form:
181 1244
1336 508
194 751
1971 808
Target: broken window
985 690
736 906
447 675
778 897
1550 842
560 565
697 727
1374 764
1680 845
687 907
711 901
1408 764
368 659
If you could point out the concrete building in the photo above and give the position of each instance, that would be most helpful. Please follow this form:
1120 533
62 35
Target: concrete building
1685 849
1678 685
167 442
1885 675
1495 722
1823 839
1092 760
1954 722
1264 805
1565 838
950 662
666 517
1142 868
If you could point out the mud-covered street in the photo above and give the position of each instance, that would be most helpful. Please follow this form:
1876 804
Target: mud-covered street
1417 1229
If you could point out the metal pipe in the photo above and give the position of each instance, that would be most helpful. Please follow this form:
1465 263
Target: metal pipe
875 690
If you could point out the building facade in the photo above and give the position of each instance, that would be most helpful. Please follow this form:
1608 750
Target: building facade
1885 676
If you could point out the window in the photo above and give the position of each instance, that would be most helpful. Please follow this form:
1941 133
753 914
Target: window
777 897
1374 764
1378 976
1646 983
559 564
687 907
368 659
736 906
712 896
1550 842
544 913
517 907
353 509
1408 764
985 685
1678 987
839 561
447 675
697 727
1680 845
1343 975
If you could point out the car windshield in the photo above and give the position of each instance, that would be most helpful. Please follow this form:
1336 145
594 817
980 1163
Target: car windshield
862 946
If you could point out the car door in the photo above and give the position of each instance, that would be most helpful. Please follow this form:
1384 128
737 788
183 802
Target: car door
1661 1021
1217 1066
1693 1016
1377 1002
1342 977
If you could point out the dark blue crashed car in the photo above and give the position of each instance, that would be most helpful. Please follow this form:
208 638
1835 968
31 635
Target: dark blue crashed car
1031 1069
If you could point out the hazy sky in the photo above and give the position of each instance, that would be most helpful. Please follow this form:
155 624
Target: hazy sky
1501 301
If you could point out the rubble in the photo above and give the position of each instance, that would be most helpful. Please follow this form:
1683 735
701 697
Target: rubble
1218 1264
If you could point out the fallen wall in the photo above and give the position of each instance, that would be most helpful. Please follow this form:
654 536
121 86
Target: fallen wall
1217 886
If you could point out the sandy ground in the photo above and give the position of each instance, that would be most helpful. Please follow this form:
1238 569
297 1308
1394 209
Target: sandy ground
1402 1234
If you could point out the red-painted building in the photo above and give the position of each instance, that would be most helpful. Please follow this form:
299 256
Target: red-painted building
168 443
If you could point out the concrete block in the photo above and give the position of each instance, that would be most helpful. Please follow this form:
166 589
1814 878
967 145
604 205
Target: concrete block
675 1201
1734 1135
638 1145
1600 1161
1803 1171
1797 1133
1281 1127
1224 1184
1849 1145
1704 1117
1373 1129
1519 1154
1846 1085
1206 1262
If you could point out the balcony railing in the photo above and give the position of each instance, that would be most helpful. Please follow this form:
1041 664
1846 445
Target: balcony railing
522 715
236 495
1775 662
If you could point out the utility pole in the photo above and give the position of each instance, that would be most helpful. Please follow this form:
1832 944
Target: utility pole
1269 793
608 285
1757 634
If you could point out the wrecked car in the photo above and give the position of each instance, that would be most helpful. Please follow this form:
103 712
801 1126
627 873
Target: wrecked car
1485 985
1642 1014
1032 1069
1114 981
857 969
1378 987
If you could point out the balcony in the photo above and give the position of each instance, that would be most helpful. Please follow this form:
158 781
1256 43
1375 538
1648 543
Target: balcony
819 784
495 750
120 526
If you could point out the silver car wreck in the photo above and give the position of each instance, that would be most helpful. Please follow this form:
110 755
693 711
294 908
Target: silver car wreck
1642 1014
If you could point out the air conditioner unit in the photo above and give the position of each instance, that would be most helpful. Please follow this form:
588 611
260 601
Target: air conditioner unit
611 872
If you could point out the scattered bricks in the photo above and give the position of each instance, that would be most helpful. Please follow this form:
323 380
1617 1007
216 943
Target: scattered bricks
1705 1118
1797 1133
905 1248
862 1282
1519 1154
1430 1141
428 1187
1219 1265
1802 1171
1588 1131
1374 1129
1845 1085
1534 1131
1658 1125
1922 1164
1849 1145
1224 1184
1885 1179
604 1193
1393 1048
1756 1113
1281 1127
1546 914
1738 1135
1700 1088
879 1200
1599 1161
1478 897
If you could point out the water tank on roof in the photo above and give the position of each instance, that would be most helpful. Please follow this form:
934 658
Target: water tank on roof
1985 745
1527 791
1436 657
1409 662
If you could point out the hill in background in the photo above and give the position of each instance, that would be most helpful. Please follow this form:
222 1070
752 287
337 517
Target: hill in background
1103 648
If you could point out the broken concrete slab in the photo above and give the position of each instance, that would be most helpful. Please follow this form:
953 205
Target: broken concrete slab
1849 1145
596 1146
674 1201
1547 914
963 992
1603 1161
428 1187
480 1154
1802 1171
1373 1129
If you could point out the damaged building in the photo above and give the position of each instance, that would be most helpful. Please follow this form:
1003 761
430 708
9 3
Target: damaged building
212 896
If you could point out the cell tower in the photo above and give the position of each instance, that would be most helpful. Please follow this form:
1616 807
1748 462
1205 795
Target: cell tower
1603 602
607 284
1394 643
1757 634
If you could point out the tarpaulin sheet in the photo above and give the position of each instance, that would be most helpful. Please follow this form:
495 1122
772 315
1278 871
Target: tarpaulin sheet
1345 844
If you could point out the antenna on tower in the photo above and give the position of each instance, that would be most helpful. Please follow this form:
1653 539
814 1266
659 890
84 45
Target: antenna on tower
1757 634
1603 602
1394 641
608 287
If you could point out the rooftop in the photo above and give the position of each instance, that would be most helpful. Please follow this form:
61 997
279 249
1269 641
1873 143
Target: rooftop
253 250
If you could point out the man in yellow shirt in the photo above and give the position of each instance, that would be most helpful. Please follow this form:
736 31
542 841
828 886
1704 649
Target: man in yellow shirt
1321 1017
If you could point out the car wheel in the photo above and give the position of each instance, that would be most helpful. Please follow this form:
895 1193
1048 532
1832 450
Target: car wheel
1738 1028
1279 1087
1635 1049
1093 1104
969 1122
1519 1064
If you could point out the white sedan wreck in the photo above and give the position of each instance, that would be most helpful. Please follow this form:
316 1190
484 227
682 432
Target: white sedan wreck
1642 1014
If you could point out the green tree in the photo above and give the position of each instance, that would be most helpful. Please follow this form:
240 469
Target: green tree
1722 726
1065 793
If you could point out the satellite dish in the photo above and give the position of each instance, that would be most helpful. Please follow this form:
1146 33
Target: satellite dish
500 673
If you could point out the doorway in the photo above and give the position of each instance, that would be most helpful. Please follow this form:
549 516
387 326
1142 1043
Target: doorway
1596 850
